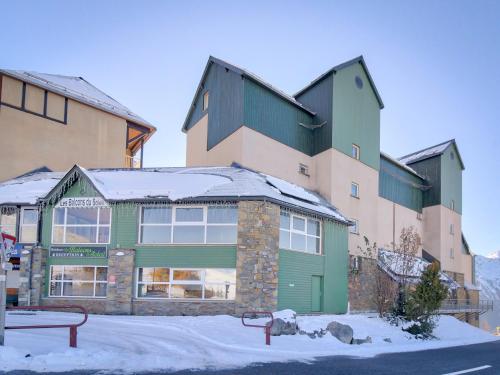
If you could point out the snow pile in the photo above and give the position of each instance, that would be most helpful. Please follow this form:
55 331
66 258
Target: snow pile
141 343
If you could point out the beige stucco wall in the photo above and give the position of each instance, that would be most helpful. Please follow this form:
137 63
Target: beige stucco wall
92 138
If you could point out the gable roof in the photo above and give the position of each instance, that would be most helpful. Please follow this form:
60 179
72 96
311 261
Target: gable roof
79 89
28 189
183 184
431 152
357 60
243 73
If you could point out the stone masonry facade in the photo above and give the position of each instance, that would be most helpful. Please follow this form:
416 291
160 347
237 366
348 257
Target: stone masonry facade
362 285
120 281
257 256
32 276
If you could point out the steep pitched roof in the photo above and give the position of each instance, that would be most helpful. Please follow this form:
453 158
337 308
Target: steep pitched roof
247 74
335 69
430 152
185 184
79 89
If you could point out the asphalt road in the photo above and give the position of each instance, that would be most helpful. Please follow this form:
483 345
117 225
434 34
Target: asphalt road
432 362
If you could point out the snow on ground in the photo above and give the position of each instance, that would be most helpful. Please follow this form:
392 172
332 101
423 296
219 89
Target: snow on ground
137 343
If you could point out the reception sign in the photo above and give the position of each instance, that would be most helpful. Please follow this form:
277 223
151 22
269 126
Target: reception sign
78 252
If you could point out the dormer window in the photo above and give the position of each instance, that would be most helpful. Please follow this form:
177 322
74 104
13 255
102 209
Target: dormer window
355 151
205 101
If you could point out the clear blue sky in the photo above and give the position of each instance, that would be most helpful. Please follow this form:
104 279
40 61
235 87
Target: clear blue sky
435 63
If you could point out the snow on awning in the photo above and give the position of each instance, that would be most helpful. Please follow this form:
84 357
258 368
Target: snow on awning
29 189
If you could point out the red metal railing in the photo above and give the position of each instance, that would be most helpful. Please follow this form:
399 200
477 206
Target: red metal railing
267 328
72 327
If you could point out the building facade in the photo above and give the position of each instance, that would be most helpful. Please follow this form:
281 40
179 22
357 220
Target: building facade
174 241
326 138
53 122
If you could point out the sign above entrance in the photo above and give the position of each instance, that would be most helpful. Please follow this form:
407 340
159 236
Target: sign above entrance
78 252
83 202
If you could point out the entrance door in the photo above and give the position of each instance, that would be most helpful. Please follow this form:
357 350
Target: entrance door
316 293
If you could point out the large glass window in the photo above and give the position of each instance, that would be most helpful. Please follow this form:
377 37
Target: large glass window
300 233
189 225
81 225
211 283
8 222
29 225
78 281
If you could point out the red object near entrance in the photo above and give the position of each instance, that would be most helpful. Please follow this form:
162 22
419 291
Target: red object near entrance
267 328
73 333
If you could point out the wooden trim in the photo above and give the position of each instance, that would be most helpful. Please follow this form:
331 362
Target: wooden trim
31 112
65 110
45 98
23 96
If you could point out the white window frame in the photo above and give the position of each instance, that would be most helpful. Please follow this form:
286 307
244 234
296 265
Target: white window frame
452 204
355 184
291 230
452 229
171 282
354 229
174 223
62 281
205 100
21 224
97 225
358 151
452 253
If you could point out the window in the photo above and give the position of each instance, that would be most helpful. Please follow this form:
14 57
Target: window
205 100
300 233
176 283
355 227
419 216
354 190
189 225
452 204
452 253
355 151
78 281
452 229
29 225
304 169
8 222
81 225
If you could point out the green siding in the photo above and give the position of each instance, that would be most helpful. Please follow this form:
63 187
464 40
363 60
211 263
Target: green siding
276 118
356 115
186 256
400 186
297 269
294 279
451 179
430 169
335 290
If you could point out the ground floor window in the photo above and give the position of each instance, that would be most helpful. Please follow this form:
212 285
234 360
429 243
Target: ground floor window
78 281
181 283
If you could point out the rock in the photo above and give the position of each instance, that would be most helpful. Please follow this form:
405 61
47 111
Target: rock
301 332
388 339
312 335
368 340
341 331
280 327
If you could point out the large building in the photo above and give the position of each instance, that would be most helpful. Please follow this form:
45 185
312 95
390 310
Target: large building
326 138
52 122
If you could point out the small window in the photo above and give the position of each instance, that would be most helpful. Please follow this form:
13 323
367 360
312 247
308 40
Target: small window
452 253
419 215
205 101
354 190
355 151
452 155
355 263
452 204
355 227
452 229
304 169
29 225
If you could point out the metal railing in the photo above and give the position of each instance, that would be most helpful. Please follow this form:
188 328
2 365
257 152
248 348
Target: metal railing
453 306
267 327
72 327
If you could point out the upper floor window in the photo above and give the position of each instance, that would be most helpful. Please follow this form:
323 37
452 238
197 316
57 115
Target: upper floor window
81 225
452 204
355 227
205 100
188 225
452 229
29 225
354 190
300 233
355 151
8 222
452 253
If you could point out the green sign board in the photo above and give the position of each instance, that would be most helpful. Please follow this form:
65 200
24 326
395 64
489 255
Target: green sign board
78 252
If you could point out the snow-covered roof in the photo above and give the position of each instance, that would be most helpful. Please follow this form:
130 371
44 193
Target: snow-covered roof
79 89
430 152
26 190
412 268
401 165
180 184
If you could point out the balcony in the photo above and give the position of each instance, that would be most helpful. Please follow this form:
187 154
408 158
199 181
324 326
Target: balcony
133 162
459 306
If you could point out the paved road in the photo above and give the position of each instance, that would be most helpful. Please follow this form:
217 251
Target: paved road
428 362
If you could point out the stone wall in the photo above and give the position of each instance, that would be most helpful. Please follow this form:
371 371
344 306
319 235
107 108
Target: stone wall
169 307
362 285
120 281
33 267
93 305
257 256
